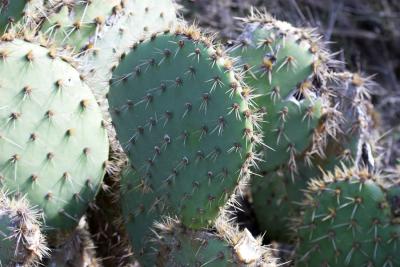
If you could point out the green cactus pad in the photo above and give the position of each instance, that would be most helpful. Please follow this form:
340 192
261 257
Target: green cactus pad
285 66
52 140
180 116
347 221
21 240
76 25
179 246
117 39
276 200
10 12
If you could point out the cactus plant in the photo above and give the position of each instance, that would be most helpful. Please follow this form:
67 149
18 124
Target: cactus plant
21 240
10 12
277 195
348 221
53 143
286 66
117 39
76 23
276 199
179 112
179 246
184 122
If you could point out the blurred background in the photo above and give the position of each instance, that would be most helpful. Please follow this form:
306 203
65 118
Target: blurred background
364 33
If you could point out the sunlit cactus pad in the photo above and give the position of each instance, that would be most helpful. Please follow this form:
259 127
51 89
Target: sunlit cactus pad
52 140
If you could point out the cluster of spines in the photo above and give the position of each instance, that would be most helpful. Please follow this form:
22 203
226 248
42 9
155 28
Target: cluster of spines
10 13
228 246
22 242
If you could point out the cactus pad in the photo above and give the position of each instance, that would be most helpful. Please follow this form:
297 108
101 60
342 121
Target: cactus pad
117 39
276 199
182 118
348 222
286 67
77 24
52 140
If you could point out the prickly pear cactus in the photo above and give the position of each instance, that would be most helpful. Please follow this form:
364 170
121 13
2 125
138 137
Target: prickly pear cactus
10 12
347 221
180 246
117 39
76 23
286 67
184 121
52 140
276 196
276 199
21 240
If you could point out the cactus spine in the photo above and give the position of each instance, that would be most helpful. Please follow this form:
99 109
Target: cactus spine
180 246
21 240
10 12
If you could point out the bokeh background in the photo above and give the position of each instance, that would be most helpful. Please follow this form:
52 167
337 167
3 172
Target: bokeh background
364 33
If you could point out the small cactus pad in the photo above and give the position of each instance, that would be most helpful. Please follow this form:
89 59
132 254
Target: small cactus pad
10 12
179 246
52 140
77 24
21 240
285 66
347 221
276 200
117 39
